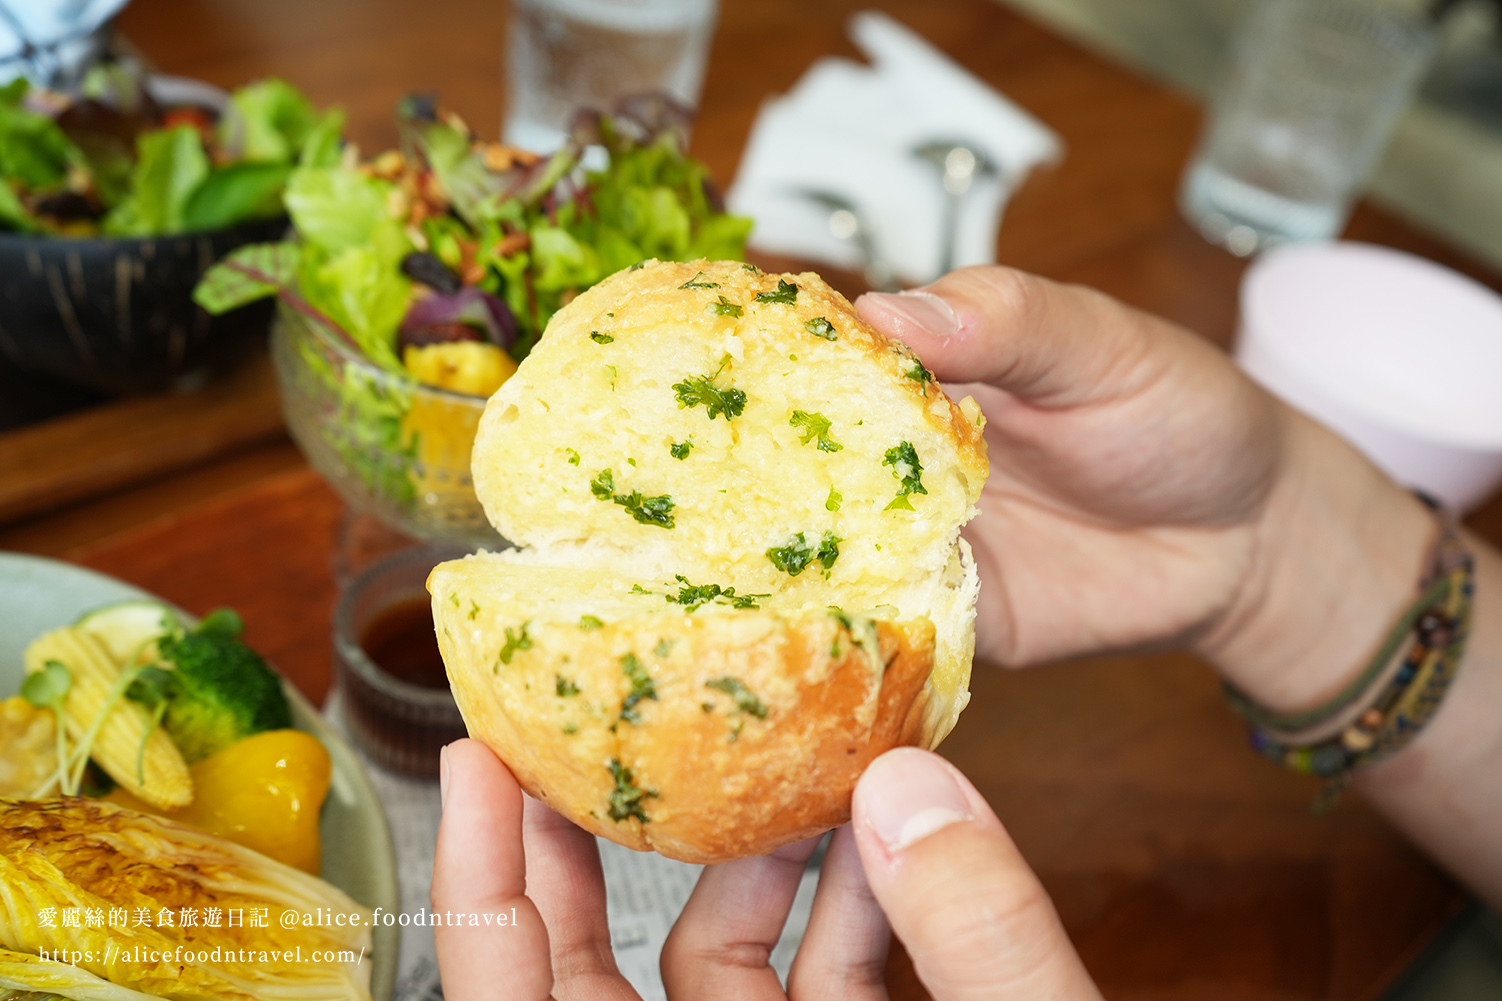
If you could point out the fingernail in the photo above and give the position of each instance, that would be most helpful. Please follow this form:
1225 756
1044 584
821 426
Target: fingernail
443 776
909 795
921 307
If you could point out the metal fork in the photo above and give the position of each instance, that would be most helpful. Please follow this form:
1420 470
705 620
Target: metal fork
959 165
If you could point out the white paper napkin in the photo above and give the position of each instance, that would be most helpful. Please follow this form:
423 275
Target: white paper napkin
849 129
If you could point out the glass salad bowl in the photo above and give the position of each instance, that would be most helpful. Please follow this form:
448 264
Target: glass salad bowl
390 446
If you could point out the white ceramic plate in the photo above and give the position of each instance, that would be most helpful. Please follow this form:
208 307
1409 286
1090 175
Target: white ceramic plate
39 594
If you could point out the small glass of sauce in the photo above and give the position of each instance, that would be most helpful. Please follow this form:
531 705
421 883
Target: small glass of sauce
396 699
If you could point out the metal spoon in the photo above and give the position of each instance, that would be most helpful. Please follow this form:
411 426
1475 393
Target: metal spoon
847 223
959 165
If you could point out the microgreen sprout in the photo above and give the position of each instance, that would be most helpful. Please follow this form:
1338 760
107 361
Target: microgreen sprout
79 760
152 688
46 689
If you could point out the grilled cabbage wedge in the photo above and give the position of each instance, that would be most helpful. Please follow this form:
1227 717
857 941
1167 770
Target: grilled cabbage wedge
30 978
740 576
85 854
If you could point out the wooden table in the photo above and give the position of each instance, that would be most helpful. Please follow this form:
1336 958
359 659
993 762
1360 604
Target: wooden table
1183 866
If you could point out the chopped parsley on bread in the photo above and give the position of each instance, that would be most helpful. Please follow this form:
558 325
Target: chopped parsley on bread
739 576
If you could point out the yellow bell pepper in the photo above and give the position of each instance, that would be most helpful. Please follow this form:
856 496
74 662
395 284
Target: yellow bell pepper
263 792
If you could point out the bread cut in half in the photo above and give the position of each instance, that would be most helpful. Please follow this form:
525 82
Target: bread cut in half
739 576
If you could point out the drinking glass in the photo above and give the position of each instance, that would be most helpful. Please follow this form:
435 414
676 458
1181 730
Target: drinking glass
1312 92
563 55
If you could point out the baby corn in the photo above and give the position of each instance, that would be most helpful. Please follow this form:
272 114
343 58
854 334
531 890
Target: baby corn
110 728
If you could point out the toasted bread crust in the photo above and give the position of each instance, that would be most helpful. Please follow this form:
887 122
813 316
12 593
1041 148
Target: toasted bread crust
756 729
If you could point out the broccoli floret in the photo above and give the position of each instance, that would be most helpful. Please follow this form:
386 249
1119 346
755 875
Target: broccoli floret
220 689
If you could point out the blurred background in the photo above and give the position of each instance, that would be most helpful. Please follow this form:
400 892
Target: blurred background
876 142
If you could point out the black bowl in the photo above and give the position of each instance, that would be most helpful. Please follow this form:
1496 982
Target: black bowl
118 314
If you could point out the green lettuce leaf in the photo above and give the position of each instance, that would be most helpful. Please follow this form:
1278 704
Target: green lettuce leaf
362 289
465 180
110 160
664 224
236 193
334 208
368 427
324 142
616 250
170 165
13 214
117 84
561 261
249 273
654 197
271 119
33 150
720 238
513 271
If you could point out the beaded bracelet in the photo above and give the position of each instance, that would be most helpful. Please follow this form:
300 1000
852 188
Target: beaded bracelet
1397 694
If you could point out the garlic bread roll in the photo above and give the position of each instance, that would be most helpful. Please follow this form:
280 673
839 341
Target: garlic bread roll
739 574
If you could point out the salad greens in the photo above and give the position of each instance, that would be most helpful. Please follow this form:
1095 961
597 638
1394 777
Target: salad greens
441 263
113 161
385 249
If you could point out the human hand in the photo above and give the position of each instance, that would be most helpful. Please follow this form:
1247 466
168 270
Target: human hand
1144 492
1129 461
496 854
975 920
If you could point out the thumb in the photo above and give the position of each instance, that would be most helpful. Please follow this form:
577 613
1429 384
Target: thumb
1049 344
972 915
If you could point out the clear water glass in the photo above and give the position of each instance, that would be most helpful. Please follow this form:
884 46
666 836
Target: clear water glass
564 55
1310 97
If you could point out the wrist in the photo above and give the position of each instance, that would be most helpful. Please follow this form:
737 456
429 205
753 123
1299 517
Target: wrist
1339 552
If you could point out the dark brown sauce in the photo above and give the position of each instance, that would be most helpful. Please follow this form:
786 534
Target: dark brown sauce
400 639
